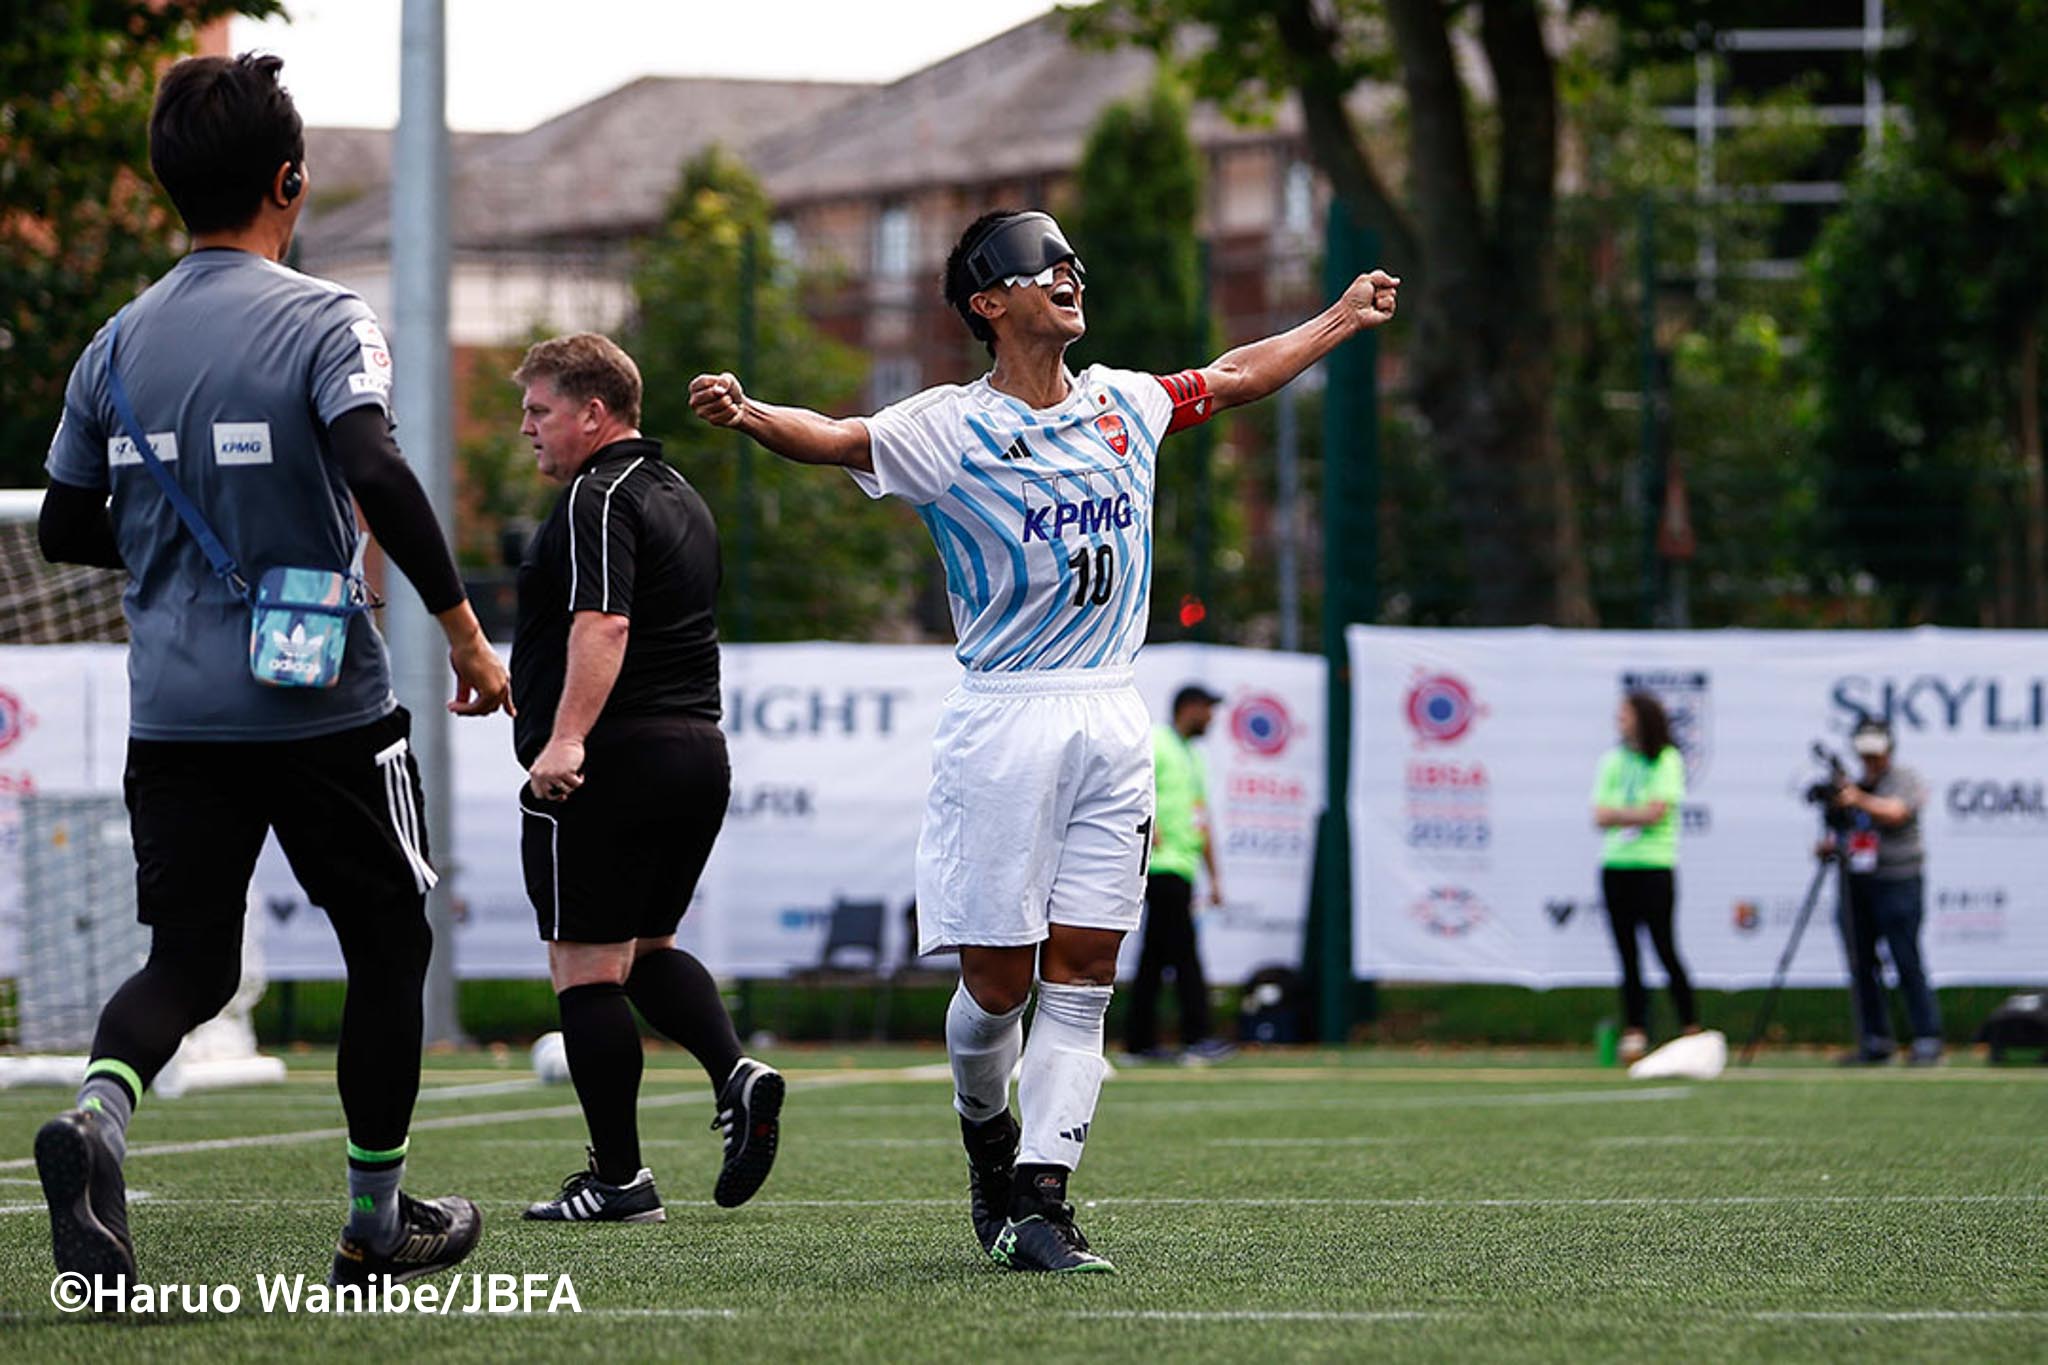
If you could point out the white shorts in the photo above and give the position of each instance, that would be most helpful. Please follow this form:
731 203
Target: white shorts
1040 810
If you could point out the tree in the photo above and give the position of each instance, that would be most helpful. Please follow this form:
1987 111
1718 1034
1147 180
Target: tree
824 565
1478 262
1733 392
1139 192
1933 285
82 226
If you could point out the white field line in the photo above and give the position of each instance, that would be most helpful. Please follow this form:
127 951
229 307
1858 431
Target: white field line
1781 1140
1567 1202
1675 1092
1278 1202
484 1120
1378 1102
1906 1315
539 1316
1266 1315
413 1321
710 1144
1254 1315
510 1086
1364 1098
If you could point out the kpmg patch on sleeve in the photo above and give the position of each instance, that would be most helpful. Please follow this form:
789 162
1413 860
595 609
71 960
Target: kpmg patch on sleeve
241 443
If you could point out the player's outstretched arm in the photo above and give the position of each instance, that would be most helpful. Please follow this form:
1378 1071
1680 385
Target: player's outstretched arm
1252 371
794 433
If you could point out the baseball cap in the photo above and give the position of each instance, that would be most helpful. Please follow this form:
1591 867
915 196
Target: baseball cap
1872 739
1195 692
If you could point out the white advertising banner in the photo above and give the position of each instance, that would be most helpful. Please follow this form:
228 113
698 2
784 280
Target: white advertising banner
63 728
1473 760
831 755
1264 755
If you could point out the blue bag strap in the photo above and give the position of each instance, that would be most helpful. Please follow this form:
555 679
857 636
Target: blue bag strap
224 566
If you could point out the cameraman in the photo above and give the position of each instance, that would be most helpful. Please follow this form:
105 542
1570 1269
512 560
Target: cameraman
1879 842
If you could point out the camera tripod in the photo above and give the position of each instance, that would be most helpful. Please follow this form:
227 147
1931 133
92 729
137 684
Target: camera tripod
1825 858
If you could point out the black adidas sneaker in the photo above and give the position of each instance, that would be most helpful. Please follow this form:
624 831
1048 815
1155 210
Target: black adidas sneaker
87 1196
432 1235
750 1115
587 1199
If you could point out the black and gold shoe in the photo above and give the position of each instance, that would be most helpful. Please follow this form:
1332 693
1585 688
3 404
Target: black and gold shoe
432 1235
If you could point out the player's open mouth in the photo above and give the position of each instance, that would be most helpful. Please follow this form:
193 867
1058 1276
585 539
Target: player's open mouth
1065 297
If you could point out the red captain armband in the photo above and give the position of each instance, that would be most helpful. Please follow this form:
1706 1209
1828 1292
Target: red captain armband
1192 404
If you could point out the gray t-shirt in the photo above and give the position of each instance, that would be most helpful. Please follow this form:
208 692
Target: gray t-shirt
1900 853
235 366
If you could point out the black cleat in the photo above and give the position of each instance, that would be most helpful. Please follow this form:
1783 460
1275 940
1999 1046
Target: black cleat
88 1199
991 1161
1047 1240
750 1115
432 1235
586 1199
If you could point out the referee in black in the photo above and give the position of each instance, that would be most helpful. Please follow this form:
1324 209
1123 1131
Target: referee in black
615 680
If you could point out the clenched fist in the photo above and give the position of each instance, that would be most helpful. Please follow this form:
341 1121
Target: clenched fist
718 399
1372 297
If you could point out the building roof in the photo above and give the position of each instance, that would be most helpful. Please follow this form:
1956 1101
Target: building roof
1020 104
349 164
603 169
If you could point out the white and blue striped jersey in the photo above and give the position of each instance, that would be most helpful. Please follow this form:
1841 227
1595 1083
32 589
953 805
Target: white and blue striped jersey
1043 517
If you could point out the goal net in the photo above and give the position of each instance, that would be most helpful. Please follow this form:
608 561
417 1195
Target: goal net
70 856
80 941
51 604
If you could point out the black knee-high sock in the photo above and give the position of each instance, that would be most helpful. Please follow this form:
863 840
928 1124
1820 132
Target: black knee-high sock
190 976
603 1047
678 996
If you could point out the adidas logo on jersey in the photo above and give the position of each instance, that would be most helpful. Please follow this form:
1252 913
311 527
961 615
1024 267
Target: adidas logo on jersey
1052 521
1016 450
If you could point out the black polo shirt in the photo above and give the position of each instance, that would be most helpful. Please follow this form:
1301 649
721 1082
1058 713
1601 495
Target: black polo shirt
628 537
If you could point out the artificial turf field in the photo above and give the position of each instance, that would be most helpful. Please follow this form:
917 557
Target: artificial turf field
1279 1206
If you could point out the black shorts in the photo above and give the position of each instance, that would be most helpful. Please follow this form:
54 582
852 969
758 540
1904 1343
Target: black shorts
347 808
620 858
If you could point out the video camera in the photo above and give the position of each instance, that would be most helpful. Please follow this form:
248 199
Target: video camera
1827 793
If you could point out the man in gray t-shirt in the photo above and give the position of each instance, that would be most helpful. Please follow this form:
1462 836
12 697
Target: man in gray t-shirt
1884 900
237 366
265 394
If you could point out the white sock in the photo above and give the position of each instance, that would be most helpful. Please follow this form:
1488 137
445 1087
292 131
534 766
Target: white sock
1062 1073
982 1047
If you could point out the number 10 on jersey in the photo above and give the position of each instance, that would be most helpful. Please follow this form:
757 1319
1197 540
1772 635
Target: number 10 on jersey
1092 587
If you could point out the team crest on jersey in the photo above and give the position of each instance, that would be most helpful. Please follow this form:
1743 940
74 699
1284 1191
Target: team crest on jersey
1112 428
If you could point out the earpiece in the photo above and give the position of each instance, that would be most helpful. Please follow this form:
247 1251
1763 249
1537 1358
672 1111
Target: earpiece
293 183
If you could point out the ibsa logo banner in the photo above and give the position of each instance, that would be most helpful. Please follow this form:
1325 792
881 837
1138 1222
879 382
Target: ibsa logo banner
1477 857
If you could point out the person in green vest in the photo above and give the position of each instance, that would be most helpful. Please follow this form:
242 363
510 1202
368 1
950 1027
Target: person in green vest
1636 800
1180 848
